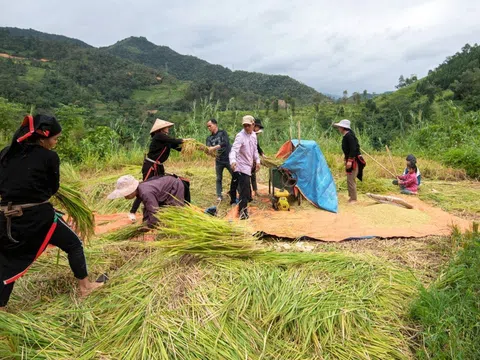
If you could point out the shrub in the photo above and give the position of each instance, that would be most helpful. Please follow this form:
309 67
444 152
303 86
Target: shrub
467 158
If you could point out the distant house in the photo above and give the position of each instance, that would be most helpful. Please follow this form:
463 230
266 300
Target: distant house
152 112
282 104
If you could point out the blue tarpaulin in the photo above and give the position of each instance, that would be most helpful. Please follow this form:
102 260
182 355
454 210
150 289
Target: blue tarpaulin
314 178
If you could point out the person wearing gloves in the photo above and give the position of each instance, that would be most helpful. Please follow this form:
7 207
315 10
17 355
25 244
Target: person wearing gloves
155 192
158 152
243 154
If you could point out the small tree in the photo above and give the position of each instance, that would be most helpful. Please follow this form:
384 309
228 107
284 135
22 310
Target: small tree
356 97
316 102
275 105
345 96
292 104
401 82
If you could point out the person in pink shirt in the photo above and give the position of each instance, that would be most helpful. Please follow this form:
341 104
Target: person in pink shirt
408 183
242 155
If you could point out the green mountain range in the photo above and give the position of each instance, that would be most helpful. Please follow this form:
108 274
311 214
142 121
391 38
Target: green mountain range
191 68
52 69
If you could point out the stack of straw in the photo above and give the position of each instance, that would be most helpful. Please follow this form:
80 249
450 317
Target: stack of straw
238 302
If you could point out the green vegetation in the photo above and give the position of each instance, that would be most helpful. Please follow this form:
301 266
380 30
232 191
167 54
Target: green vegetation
164 93
435 117
190 68
448 312
209 289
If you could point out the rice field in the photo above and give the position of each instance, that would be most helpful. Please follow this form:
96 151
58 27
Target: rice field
214 295
209 289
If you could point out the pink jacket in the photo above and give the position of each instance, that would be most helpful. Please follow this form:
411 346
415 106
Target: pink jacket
409 181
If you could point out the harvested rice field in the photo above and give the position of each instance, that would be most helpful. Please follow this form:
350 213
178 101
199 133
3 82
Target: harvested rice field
211 288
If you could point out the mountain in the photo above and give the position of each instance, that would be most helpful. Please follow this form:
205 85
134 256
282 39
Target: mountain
191 68
436 102
31 33
51 70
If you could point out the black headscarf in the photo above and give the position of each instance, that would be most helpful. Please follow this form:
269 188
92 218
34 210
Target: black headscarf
32 129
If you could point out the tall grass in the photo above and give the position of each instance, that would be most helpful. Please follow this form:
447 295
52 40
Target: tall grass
448 312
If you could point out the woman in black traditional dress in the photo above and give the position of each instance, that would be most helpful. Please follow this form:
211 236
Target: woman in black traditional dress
158 153
29 177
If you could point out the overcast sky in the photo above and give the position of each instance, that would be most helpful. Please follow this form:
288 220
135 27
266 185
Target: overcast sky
329 45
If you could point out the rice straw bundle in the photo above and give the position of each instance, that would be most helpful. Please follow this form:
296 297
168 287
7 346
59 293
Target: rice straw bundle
187 230
127 233
329 305
190 146
79 214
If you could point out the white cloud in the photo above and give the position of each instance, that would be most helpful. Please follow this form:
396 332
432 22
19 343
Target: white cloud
331 46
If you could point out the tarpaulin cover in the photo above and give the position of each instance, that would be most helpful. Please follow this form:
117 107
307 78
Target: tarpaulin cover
314 178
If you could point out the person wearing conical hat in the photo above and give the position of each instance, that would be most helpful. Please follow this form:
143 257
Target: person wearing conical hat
354 162
158 152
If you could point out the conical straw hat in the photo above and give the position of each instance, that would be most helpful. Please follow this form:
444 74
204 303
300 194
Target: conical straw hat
160 124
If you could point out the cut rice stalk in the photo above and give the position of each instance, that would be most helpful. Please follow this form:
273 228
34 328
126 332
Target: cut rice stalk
79 214
187 230
189 147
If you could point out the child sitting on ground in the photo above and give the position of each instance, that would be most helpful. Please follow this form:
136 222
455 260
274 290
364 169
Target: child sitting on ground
411 160
409 183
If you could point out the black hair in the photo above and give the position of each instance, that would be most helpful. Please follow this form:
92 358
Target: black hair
43 127
412 165
411 158
213 121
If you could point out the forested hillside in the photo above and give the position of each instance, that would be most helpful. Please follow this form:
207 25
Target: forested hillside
85 74
185 67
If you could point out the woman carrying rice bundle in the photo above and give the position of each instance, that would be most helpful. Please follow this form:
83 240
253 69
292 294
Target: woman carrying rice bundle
158 153
29 177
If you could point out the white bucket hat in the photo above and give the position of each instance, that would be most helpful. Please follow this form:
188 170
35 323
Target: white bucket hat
248 119
160 124
343 123
126 185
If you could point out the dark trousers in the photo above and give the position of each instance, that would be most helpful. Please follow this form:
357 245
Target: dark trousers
160 170
219 167
63 238
245 191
